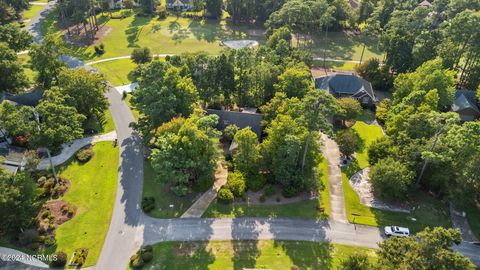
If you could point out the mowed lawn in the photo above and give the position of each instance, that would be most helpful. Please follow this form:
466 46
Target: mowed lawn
305 209
92 191
263 254
173 35
427 210
31 12
117 72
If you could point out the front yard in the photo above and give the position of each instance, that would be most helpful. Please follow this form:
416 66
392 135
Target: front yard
305 209
92 192
427 211
263 254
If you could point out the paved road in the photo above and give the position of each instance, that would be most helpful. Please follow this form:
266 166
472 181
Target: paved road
130 228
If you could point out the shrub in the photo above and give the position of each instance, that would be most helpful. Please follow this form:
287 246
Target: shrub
99 49
147 256
46 214
229 132
28 236
124 94
356 261
147 248
290 191
59 259
49 241
262 198
148 204
256 182
51 226
391 179
225 195
141 55
80 256
85 155
42 180
236 183
269 191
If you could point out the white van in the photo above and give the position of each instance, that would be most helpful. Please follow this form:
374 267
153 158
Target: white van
397 231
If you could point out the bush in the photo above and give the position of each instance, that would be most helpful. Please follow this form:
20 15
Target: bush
28 236
124 94
256 182
391 179
290 191
99 49
356 261
141 55
236 183
59 259
229 132
348 141
50 241
269 191
262 198
147 256
225 195
85 155
378 75
148 204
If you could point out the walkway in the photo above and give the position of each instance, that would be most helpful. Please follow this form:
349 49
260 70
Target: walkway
460 222
337 201
68 150
202 204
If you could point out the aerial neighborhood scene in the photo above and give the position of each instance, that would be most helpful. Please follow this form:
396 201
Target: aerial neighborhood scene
240 134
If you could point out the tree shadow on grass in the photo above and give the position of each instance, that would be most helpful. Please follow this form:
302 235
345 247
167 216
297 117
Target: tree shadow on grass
207 30
245 252
135 29
308 255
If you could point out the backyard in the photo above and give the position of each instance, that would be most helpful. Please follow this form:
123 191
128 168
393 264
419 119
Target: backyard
427 211
92 192
263 254
304 209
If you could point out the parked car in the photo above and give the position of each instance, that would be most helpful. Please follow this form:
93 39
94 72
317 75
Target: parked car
397 231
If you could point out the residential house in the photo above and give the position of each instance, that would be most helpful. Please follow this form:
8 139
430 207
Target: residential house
348 85
180 4
466 105
246 118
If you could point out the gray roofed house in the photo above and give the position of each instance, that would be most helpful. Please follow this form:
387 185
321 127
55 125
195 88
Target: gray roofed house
240 119
13 158
28 99
348 85
465 105
184 4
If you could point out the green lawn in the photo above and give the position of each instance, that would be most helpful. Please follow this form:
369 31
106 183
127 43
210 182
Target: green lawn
306 209
263 254
163 196
92 191
31 12
341 45
170 36
336 65
428 211
24 60
117 72
368 134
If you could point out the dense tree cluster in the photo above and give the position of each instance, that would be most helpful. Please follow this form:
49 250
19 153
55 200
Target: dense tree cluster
10 10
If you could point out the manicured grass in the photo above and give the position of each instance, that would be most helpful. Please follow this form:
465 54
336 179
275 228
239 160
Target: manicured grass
117 71
428 212
163 196
340 45
24 60
263 254
92 191
305 209
336 65
31 12
169 36
368 134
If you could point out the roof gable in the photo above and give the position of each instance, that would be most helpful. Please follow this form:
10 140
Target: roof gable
465 99
348 84
240 119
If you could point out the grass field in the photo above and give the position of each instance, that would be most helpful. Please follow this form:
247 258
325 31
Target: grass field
24 60
336 65
117 72
368 134
163 196
263 254
306 209
93 189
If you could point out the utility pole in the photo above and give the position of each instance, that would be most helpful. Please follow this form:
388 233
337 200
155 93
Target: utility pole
37 119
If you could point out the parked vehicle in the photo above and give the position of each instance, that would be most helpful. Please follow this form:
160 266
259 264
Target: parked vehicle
397 231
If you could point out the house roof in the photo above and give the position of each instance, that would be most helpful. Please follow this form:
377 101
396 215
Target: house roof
28 99
346 84
425 3
465 99
240 119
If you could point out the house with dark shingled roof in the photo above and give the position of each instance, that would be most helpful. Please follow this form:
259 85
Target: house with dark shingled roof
348 85
466 105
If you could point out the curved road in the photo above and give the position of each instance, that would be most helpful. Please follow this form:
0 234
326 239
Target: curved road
130 228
